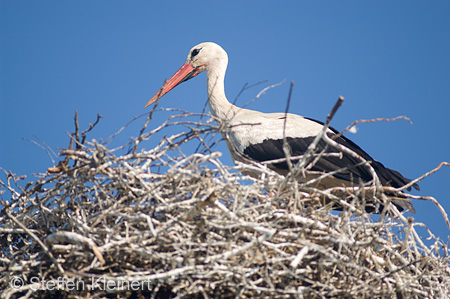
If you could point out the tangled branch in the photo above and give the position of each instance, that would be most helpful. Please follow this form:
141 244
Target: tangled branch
187 226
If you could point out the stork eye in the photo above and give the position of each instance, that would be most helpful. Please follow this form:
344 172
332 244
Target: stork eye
195 52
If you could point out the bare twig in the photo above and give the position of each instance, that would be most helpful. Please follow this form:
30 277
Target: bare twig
178 222
71 237
353 124
36 238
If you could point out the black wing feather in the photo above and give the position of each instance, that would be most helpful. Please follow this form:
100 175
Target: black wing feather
273 149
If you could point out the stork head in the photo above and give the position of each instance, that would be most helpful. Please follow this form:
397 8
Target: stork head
202 57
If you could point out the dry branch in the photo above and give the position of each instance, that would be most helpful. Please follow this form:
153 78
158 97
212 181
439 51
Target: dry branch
187 226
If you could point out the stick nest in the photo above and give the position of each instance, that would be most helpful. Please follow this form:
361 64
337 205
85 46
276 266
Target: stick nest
161 224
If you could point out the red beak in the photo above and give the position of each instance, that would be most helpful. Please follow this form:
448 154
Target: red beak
186 72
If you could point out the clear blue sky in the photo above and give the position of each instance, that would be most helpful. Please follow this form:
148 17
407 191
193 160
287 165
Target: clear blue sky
387 58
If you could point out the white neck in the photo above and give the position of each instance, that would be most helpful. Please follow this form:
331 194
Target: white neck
220 107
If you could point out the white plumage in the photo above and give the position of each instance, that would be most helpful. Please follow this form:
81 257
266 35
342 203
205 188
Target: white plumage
249 127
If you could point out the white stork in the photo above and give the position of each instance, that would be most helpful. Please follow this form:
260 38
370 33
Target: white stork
260 136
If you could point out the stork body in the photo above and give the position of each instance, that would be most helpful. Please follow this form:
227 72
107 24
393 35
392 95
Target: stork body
259 136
